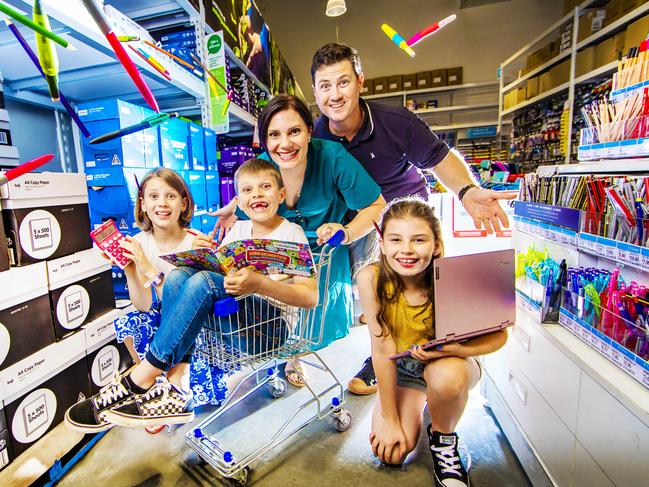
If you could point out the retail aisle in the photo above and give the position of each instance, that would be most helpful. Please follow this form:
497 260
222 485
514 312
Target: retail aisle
318 455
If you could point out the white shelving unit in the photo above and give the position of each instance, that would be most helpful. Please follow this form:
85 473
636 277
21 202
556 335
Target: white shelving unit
569 86
564 406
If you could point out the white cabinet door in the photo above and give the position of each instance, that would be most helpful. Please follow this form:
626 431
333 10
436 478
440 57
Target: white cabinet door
587 472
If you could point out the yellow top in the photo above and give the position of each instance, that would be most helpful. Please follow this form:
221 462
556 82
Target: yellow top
408 322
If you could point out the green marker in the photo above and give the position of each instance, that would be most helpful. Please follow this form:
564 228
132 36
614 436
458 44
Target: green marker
128 38
46 52
5 9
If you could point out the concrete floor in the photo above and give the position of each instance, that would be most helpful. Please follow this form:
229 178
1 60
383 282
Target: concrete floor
317 455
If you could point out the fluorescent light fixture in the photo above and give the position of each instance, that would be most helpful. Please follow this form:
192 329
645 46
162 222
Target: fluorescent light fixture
336 8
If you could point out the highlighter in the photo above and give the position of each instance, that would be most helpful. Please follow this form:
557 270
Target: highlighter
47 56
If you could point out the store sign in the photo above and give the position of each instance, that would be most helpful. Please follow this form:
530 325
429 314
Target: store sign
215 62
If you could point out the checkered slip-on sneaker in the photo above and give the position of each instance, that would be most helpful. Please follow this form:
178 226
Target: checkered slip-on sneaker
89 415
162 404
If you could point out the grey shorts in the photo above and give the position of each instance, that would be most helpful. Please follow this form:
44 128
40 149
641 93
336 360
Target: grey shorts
410 373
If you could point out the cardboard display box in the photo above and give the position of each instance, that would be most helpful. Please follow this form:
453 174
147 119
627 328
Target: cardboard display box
45 216
454 76
395 83
104 354
81 290
380 85
174 153
368 87
38 389
4 250
409 82
438 78
25 317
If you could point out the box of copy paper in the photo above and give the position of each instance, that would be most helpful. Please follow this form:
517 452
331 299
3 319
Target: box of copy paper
174 151
45 216
105 355
81 290
38 390
210 149
196 147
25 317
6 455
4 250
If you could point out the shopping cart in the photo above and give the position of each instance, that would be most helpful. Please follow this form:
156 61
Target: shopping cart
259 334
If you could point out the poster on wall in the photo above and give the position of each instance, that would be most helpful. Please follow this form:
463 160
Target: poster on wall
218 97
245 31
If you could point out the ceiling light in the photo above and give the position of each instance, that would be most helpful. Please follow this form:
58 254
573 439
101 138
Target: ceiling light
336 8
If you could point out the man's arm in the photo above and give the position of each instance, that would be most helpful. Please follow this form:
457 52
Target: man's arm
481 204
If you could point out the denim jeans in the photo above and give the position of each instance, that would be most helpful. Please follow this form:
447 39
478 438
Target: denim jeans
188 298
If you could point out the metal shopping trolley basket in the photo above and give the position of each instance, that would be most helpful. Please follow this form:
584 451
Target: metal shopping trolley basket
259 333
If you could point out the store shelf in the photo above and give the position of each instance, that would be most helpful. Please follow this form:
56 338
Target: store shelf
456 108
624 92
240 114
542 68
537 98
461 126
614 27
612 166
438 89
602 70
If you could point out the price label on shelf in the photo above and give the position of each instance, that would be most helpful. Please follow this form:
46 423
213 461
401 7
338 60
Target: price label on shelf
644 376
616 357
611 252
644 260
628 365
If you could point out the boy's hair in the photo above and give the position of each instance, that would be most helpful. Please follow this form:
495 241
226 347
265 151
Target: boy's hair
173 179
334 53
278 104
257 166
409 207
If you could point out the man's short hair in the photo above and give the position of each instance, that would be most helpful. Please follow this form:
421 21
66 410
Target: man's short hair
257 166
334 53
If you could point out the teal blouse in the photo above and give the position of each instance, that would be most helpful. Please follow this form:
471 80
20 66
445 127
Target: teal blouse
334 183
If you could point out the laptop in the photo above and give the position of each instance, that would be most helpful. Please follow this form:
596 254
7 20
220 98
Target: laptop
474 296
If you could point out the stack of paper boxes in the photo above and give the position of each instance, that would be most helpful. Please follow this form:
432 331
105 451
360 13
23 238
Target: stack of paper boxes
113 167
57 289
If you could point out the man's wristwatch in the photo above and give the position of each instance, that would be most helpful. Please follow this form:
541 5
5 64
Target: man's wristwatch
463 191
156 281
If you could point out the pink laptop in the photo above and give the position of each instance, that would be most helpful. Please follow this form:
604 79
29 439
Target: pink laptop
474 296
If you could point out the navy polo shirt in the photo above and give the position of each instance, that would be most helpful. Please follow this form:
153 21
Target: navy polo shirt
393 145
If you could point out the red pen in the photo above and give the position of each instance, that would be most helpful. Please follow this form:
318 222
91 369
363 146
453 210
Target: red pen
196 234
121 54
24 168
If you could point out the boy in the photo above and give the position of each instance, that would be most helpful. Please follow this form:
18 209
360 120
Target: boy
143 396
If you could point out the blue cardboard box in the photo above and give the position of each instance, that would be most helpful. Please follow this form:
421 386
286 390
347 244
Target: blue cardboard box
196 147
212 187
174 151
207 223
211 158
134 150
196 182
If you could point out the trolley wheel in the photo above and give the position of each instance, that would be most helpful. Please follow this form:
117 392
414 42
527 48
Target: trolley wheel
343 420
278 387
241 479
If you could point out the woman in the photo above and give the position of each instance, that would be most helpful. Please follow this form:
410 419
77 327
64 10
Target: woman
323 182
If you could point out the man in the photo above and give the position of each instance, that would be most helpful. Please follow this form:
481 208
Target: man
395 147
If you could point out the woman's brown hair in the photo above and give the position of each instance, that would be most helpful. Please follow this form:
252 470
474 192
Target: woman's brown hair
389 284
173 179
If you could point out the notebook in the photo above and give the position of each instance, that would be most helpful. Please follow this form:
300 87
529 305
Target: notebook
474 296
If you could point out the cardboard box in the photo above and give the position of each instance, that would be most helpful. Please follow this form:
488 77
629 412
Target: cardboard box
613 11
509 100
438 78
196 147
555 76
226 188
4 250
196 182
25 318
521 94
607 50
532 88
454 76
585 61
174 153
81 290
212 190
210 149
569 5
38 389
636 33
590 22
45 216
424 80
368 87
545 82
410 82
395 83
134 150
628 5
105 354
380 85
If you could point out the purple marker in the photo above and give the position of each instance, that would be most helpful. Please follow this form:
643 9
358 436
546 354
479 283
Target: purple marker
21 40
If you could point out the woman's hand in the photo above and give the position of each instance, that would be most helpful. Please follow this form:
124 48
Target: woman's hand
484 208
226 220
388 441
328 230
448 350
202 241
243 281
133 250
